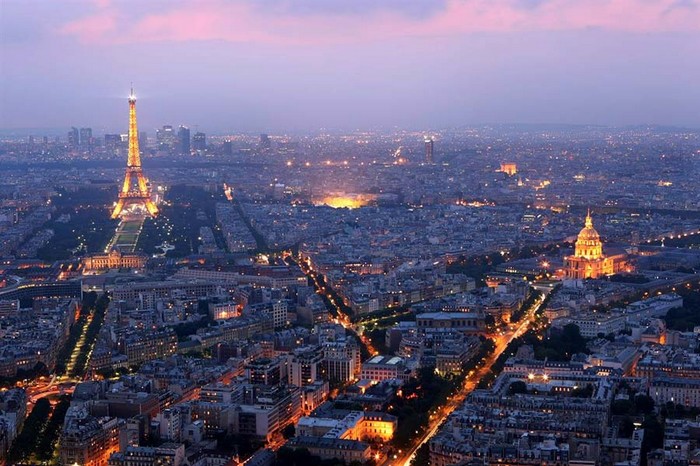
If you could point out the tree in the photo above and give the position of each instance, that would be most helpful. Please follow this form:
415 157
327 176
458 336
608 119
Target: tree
517 387
289 431
50 434
620 407
653 434
302 457
28 438
644 404
582 392
626 427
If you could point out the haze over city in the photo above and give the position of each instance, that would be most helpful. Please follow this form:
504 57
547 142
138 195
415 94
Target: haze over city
311 64
349 233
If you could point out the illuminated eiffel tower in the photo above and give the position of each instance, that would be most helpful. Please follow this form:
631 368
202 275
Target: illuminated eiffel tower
135 195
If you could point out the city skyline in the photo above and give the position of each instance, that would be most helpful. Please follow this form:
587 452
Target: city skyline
278 66
349 232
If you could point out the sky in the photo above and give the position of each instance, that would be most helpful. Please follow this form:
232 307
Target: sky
305 65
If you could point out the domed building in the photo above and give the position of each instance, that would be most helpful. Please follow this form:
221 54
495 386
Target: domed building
588 244
588 260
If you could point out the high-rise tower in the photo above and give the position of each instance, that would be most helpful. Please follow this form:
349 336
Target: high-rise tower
428 150
73 137
183 138
199 141
135 195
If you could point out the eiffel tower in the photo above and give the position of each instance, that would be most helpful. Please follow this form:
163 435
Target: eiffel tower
135 195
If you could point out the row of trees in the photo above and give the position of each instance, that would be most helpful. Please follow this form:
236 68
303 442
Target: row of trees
38 370
417 398
688 316
64 354
526 305
98 317
186 329
378 338
189 208
486 347
89 225
260 242
302 457
236 444
389 316
40 432
47 441
428 391
500 362
628 278
635 407
478 266
335 297
520 386
67 349
679 242
558 345
28 439
533 337
543 307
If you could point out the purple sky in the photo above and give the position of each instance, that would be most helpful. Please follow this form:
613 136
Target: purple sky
276 65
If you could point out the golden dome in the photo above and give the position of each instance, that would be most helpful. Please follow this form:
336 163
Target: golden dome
588 233
588 244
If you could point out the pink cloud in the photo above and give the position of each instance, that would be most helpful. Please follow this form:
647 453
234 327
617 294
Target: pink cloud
94 27
241 21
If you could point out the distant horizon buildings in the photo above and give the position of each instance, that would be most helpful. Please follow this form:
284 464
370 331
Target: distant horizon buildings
165 138
85 136
183 137
80 137
429 146
143 140
228 147
62 133
265 142
73 137
199 141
